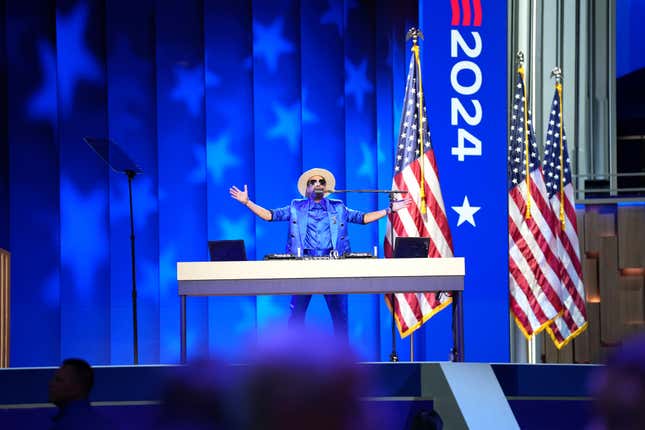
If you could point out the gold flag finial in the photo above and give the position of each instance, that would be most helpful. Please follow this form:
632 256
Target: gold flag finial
414 34
519 57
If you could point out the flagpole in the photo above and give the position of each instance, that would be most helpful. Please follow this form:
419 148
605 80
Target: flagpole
532 351
394 357
520 70
414 34
412 346
557 73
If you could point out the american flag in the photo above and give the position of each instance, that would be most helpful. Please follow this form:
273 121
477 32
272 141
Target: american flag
560 189
533 262
415 164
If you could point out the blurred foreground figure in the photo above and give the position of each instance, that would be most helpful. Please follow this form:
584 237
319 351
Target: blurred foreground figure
201 395
299 379
69 390
619 388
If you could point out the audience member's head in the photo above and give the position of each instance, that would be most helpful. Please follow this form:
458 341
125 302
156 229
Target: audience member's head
72 381
619 388
426 420
300 379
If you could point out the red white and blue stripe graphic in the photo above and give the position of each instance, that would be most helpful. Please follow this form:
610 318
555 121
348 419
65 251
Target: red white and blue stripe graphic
466 13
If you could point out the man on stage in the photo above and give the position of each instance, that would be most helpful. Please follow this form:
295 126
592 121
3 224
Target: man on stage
317 228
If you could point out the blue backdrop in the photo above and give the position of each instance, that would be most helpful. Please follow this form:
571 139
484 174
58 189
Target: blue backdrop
203 94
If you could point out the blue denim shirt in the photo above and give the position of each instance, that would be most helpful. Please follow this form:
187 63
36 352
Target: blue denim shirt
338 216
318 235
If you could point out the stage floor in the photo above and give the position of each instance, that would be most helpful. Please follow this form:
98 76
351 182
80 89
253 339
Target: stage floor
467 395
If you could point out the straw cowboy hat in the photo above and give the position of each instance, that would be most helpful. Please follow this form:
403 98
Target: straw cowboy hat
316 171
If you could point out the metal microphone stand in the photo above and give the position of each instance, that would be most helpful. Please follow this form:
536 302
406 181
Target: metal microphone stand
393 355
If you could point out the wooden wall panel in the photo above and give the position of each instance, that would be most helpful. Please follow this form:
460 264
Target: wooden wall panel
580 220
565 355
598 224
550 352
610 320
593 331
590 279
5 306
581 346
631 304
631 236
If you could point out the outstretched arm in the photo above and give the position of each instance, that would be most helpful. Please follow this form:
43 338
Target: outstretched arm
394 206
242 196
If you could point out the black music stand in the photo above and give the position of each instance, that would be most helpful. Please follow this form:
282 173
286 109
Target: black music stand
119 161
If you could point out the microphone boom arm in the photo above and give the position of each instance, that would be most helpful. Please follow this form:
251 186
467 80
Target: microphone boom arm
368 191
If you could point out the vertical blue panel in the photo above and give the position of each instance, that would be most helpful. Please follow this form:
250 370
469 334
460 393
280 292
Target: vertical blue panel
4 138
360 114
361 159
322 61
323 121
277 128
85 296
392 24
132 124
387 41
480 177
228 47
33 199
182 167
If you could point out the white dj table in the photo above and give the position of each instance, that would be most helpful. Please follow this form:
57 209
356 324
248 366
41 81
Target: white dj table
341 276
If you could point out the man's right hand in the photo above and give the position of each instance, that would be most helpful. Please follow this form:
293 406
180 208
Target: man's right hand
239 195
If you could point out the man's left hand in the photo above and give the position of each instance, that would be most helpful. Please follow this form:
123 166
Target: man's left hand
397 205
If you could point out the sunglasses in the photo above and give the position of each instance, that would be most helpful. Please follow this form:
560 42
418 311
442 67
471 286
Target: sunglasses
312 182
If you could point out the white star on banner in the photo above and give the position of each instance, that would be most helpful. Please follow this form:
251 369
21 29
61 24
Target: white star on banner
466 212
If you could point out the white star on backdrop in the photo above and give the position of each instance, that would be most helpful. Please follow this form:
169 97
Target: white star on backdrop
81 217
42 103
269 43
366 168
189 86
466 212
75 60
220 157
62 70
288 124
357 82
336 13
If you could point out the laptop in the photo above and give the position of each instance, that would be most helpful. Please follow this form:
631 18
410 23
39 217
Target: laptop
227 250
411 247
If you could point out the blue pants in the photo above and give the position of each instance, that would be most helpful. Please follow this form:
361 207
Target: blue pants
336 303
